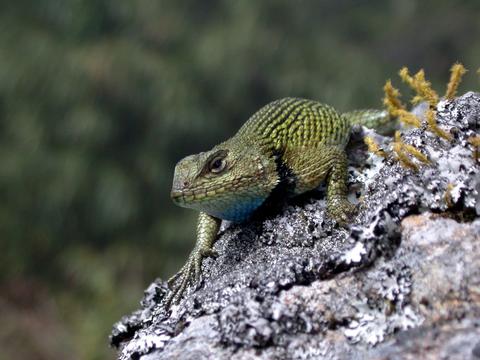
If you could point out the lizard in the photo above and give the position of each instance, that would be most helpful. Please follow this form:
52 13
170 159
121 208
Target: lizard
288 147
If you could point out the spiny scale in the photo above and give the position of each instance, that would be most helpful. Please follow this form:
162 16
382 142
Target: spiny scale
293 122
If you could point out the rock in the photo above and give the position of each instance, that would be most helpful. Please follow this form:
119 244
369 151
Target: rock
403 281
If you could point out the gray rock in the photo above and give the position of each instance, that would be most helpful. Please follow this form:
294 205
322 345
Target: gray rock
403 281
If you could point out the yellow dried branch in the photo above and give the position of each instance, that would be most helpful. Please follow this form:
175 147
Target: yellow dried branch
395 107
475 142
398 137
412 150
402 151
448 195
433 126
403 158
391 99
408 118
417 99
456 73
420 85
405 76
424 89
373 146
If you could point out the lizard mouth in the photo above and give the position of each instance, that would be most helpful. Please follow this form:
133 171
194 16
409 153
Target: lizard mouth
183 198
187 195
177 196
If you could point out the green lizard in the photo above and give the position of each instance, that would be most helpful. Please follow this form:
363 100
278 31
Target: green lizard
286 148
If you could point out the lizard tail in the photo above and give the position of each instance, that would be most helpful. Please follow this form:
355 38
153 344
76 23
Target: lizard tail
373 119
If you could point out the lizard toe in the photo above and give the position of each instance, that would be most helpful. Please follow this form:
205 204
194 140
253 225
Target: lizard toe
209 253
343 212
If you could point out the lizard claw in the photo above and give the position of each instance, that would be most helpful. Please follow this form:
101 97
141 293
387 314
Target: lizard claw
173 278
342 212
209 253
190 273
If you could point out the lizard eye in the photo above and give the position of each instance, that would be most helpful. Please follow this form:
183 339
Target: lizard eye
217 165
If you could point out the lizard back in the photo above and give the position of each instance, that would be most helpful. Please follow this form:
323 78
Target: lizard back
296 123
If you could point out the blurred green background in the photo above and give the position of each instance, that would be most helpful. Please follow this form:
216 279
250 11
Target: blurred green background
100 99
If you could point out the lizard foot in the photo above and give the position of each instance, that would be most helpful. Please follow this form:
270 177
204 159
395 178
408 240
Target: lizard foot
341 210
189 273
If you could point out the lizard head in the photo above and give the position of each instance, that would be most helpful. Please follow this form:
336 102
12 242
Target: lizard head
229 182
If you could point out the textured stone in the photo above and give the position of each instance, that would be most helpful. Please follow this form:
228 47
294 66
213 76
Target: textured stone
403 281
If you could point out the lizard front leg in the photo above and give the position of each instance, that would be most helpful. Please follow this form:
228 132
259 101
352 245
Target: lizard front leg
207 230
311 165
338 205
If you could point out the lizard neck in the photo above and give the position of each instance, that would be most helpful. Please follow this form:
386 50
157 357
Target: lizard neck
284 189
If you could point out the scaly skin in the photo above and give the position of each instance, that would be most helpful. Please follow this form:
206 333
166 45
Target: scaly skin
288 147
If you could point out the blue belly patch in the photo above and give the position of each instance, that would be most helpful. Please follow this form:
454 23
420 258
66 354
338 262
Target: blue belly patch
238 211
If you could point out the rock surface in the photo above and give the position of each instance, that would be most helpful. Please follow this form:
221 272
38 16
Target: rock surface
403 281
